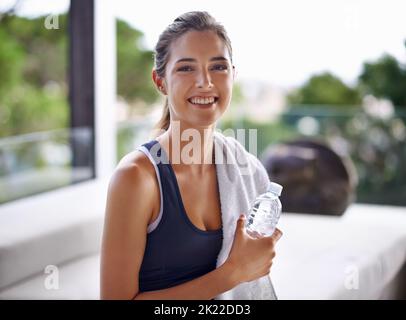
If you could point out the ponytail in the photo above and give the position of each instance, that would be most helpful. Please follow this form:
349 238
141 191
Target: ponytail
163 123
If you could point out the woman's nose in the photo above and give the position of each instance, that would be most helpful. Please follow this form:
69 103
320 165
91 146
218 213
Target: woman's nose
204 80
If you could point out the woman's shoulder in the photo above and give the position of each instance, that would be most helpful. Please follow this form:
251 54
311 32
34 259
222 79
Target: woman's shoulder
133 190
134 173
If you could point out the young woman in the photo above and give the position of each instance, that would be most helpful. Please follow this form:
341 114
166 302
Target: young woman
163 223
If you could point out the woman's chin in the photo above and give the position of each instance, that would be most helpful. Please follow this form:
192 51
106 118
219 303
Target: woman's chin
205 121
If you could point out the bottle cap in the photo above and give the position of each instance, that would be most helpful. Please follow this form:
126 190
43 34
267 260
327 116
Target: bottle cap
275 188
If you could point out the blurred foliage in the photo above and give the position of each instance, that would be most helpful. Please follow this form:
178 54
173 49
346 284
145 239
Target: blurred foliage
33 61
11 62
238 95
378 149
267 133
33 97
385 78
134 66
326 89
33 77
376 146
27 109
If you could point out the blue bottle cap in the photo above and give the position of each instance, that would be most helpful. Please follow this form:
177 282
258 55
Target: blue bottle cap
275 188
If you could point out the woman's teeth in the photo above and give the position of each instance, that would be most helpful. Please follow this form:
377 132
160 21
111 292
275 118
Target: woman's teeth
202 100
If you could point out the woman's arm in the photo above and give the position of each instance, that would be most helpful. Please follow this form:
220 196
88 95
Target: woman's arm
205 287
129 208
249 259
130 203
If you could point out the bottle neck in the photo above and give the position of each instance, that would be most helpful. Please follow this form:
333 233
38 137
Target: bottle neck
272 192
269 194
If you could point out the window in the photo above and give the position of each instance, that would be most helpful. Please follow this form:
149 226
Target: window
47 123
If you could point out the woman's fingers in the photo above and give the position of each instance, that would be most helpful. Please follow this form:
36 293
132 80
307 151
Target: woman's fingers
277 234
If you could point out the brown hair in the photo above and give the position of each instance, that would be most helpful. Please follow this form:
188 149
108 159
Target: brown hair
194 20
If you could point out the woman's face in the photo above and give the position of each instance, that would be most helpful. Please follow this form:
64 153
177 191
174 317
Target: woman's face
199 70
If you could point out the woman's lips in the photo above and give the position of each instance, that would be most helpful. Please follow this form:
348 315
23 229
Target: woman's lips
204 105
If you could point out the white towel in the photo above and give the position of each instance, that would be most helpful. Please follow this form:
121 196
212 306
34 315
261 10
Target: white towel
241 178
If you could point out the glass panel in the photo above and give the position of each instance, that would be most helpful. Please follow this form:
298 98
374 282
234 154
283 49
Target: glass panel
42 161
38 150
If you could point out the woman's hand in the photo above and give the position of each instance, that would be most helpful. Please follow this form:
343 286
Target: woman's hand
251 258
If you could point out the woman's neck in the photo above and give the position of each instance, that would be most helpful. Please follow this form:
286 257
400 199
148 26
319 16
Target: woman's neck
189 148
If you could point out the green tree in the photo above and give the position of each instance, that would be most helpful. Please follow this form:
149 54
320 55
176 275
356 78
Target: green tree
134 66
11 62
325 89
384 78
33 76
33 90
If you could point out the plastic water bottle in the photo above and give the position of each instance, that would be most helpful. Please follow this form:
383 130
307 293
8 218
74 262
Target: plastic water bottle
265 212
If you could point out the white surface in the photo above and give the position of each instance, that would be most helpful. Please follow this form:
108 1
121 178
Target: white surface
314 257
319 257
105 86
77 280
49 229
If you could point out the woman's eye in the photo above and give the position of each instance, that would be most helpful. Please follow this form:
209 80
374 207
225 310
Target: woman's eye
220 67
185 68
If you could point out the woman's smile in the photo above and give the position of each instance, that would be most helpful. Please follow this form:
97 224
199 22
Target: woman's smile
203 102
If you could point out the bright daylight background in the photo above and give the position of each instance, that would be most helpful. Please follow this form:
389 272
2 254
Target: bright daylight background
324 71
329 69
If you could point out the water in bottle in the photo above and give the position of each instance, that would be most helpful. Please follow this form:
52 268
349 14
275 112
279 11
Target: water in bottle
265 212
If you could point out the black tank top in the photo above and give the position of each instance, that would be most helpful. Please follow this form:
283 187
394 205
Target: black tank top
176 250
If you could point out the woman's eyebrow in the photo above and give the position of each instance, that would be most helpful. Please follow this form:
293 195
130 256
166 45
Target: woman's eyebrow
219 58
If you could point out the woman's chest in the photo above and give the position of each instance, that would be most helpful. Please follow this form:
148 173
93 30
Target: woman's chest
201 200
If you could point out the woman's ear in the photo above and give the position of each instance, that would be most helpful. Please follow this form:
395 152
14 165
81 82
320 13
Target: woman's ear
159 82
234 72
